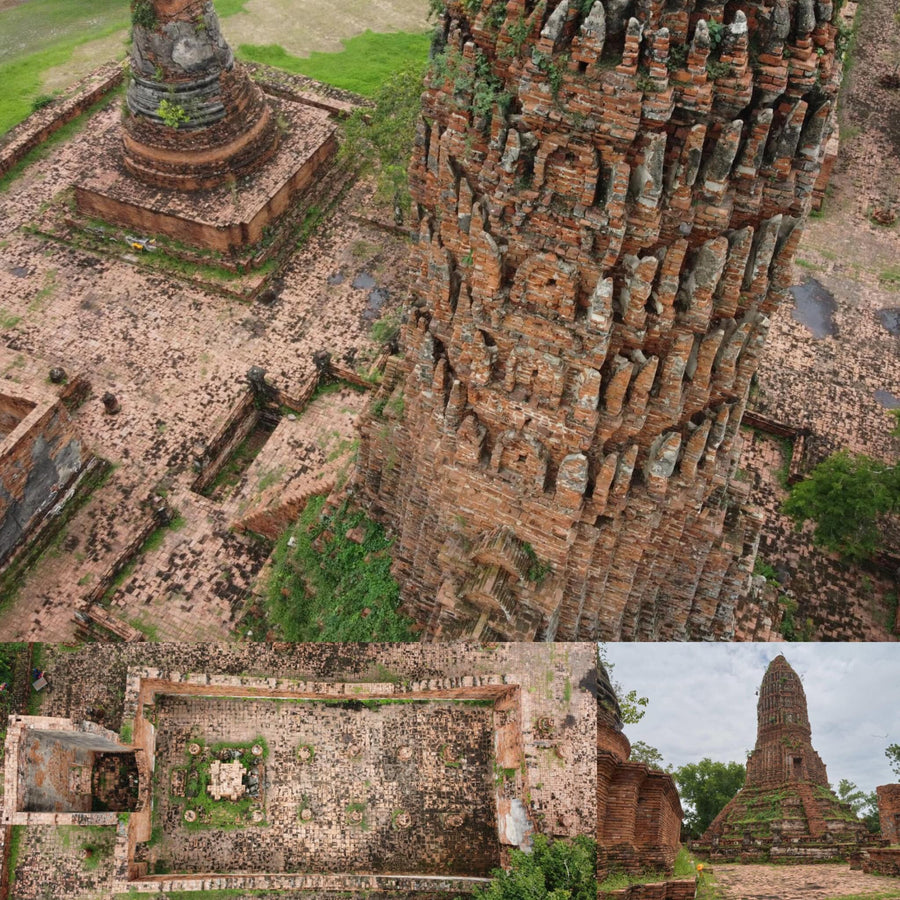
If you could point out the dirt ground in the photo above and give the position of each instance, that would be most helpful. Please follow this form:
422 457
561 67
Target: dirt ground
813 882
839 386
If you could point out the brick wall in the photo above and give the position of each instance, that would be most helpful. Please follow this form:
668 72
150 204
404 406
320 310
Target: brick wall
608 216
889 811
41 454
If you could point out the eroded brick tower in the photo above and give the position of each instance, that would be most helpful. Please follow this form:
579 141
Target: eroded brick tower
786 807
194 118
610 196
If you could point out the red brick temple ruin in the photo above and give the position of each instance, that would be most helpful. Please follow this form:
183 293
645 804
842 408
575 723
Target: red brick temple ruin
203 156
638 810
609 199
786 809
885 860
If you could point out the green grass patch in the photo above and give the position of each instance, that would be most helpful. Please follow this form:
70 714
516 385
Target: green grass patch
17 833
327 587
21 78
890 276
366 62
60 136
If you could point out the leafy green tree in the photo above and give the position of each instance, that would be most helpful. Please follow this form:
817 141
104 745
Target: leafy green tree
705 788
864 805
642 752
552 871
632 707
845 495
383 137
892 752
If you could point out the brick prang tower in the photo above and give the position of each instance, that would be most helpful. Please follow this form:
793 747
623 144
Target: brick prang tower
194 119
786 807
610 195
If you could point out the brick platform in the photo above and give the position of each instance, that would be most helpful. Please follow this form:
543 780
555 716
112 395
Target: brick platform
222 218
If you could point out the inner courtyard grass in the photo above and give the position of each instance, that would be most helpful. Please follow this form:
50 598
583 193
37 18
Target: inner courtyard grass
366 62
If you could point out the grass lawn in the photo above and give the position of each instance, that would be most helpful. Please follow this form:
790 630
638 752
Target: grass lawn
366 62
40 34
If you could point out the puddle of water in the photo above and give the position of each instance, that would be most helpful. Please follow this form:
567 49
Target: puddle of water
336 278
363 282
814 307
19 271
374 303
890 318
887 399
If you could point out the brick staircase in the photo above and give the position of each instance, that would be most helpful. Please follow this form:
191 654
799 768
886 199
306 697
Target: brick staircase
815 822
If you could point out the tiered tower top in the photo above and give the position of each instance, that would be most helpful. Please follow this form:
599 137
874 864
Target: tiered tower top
783 750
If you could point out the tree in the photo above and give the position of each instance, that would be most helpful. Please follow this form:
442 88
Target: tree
552 871
845 495
631 707
864 806
705 788
641 752
383 137
893 754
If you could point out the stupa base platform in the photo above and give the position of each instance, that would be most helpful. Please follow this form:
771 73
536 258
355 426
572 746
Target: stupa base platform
230 219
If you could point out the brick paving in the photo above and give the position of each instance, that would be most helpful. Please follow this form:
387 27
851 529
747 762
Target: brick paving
176 356
356 760
820 882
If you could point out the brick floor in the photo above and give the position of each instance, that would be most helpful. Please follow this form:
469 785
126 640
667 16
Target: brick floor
176 356
814 882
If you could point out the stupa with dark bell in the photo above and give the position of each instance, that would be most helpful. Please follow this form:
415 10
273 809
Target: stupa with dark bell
194 116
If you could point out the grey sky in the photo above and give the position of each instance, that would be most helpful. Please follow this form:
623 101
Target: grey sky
703 701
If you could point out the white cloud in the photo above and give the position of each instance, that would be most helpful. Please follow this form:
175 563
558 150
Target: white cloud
703 701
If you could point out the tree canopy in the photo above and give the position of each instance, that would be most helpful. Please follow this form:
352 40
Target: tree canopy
705 788
643 752
863 805
552 871
632 707
846 495
892 752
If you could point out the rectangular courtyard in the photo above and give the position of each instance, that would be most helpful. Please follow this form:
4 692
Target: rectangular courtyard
376 785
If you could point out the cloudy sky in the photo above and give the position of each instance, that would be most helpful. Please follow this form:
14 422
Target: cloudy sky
703 701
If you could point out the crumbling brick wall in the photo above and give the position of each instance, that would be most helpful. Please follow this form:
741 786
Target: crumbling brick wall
889 811
638 810
40 455
609 205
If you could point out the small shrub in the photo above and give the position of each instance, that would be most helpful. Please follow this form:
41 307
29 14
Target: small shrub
172 114
41 102
143 14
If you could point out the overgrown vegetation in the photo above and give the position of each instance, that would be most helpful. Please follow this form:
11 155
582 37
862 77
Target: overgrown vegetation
552 871
327 587
845 496
382 138
143 14
172 114
224 814
705 787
